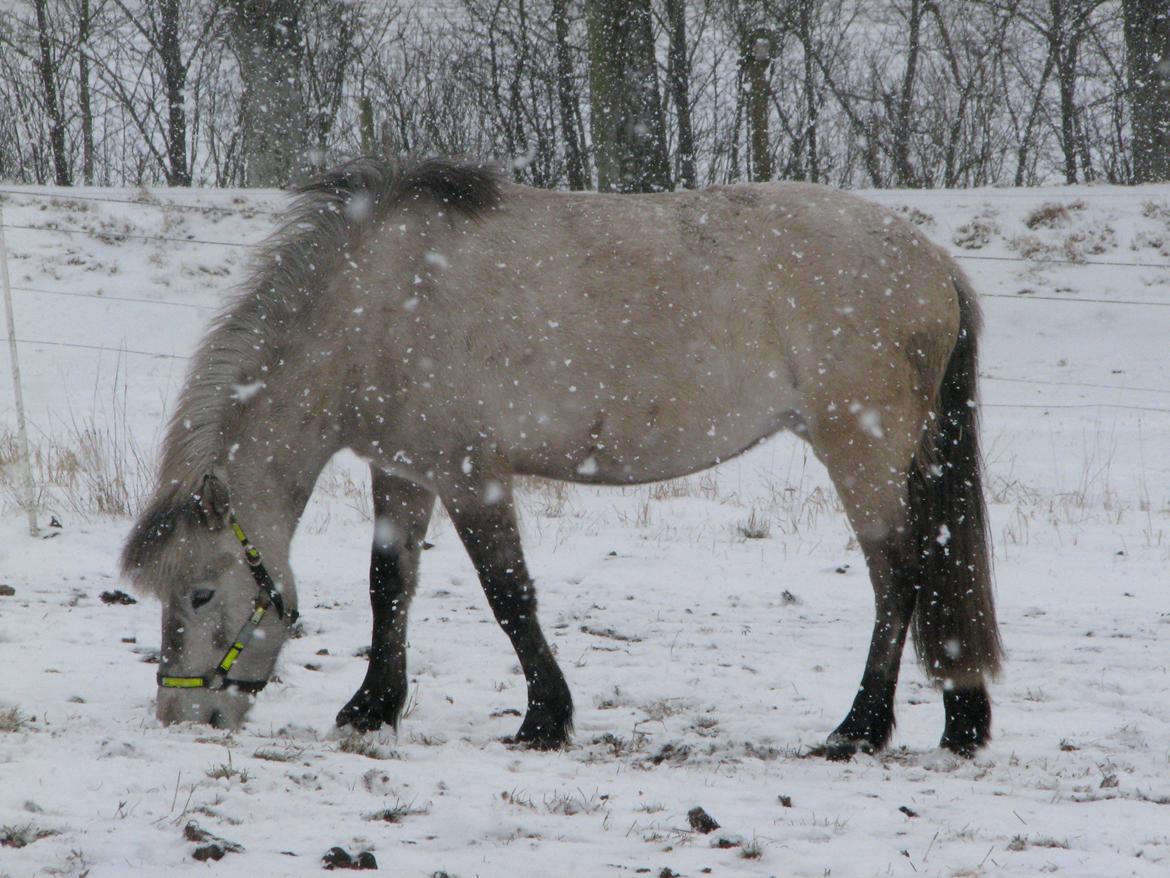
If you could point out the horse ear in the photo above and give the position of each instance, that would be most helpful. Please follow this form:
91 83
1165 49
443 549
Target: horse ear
212 502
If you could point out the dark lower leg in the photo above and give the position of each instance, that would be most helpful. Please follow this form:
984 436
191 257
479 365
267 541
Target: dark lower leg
870 720
490 535
968 725
402 511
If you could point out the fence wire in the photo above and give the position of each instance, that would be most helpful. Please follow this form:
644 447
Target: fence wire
249 212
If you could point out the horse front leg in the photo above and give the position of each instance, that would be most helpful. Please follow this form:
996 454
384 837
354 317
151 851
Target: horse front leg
402 511
485 519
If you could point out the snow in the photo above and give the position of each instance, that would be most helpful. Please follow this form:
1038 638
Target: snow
704 664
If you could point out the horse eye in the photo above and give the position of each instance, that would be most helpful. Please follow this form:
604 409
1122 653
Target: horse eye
201 596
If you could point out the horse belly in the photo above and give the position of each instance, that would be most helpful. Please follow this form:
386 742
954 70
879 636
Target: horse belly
658 433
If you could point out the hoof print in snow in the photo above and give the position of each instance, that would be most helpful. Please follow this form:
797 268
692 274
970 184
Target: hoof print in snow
211 847
724 842
339 858
701 821
209 852
117 597
673 753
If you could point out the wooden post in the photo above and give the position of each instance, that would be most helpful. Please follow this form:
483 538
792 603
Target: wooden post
30 494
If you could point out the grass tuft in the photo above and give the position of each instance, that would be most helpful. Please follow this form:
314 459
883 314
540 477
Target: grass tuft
12 836
12 720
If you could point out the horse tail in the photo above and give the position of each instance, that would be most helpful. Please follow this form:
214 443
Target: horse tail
955 631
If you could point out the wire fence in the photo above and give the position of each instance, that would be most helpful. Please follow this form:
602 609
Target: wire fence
252 212
144 202
107 298
112 237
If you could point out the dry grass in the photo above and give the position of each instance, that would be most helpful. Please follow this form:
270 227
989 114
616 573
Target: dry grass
976 234
755 527
92 465
1053 215
12 720
12 836
573 803
338 482
399 812
227 771
360 744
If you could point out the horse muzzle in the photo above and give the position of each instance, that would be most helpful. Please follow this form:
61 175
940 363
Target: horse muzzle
218 708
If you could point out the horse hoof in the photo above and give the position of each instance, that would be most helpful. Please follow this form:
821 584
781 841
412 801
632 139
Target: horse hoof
966 745
367 712
840 748
840 751
968 725
358 720
535 742
542 734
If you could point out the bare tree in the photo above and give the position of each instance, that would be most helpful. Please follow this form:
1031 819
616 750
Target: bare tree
756 50
1064 26
679 75
568 98
334 35
629 131
1147 38
84 101
162 24
266 37
903 112
47 67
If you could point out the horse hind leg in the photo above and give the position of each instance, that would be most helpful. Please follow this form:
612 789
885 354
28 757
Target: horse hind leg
869 472
402 511
915 499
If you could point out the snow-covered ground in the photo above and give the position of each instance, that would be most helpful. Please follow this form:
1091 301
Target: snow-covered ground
705 665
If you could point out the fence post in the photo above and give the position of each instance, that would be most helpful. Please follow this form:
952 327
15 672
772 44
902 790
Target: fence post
30 492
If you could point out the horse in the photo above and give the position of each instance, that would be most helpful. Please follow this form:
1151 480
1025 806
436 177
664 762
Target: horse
458 330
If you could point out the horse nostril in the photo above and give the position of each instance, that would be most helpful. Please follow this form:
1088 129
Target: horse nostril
217 720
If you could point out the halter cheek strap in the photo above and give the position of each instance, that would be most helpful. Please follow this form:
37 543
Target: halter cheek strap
268 596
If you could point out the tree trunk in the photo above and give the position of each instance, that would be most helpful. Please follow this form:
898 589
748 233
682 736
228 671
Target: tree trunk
680 80
267 41
756 57
567 99
522 158
902 123
366 124
1025 142
1147 40
629 132
175 80
1062 45
812 106
83 97
47 71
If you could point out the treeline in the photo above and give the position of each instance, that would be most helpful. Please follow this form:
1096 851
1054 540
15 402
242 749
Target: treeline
611 94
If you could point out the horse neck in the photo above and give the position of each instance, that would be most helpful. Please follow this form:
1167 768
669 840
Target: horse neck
271 469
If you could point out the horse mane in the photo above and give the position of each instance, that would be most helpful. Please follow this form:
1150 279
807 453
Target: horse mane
285 281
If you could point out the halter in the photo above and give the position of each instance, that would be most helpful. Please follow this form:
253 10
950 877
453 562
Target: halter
268 596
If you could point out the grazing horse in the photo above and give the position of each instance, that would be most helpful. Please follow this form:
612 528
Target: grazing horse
456 331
